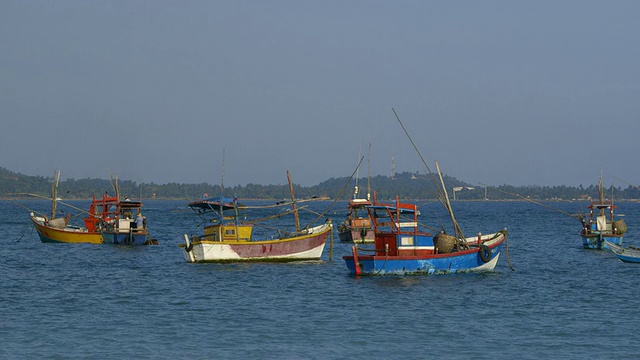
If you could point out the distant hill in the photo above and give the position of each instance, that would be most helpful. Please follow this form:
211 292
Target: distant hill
405 185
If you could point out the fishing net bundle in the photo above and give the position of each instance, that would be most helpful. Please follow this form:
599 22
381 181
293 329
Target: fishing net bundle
444 243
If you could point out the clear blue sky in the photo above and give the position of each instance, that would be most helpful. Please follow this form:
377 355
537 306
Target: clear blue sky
515 92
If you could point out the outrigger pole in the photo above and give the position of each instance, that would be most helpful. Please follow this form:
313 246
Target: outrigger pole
346 185
442 195
577 217
456 227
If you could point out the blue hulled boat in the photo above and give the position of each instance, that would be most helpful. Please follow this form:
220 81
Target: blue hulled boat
600 225
630 254
125 228
400 247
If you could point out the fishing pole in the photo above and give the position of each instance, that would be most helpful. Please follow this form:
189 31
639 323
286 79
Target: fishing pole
255 221
435 183
577 217
628 183
280 204
442 197
61 202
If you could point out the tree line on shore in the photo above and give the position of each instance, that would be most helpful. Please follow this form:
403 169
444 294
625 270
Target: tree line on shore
406 185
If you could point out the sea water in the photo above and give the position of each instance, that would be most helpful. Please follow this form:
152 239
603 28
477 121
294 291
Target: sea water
60 301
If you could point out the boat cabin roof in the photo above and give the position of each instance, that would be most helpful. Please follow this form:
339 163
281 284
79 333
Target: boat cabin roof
601 206
130 204
359 202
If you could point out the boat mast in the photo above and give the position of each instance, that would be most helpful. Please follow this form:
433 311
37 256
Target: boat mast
221 203
601 193
114 185
355 190
293 202
611 208
442 195
222 189
54 194
456 227
369 174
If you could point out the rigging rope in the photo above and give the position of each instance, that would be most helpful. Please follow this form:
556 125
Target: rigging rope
337 197
577 217
441 192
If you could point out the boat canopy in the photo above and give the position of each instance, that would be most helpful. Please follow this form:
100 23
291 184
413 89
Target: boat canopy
130 204
391 209
215 204
207 205
601 206
359 202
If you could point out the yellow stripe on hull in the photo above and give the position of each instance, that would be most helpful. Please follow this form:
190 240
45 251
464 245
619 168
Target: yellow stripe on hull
49 234
313 232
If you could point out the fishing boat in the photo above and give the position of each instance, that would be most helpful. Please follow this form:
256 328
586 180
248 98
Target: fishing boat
104 222
99 223
58 230
402 247
53 229
122 222
229 236
630 254
600 226
122 227
357 227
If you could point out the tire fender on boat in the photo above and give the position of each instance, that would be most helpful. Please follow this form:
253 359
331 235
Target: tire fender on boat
484 253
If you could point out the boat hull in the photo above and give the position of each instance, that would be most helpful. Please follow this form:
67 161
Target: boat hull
70 235
600 225
625 254
599 241
357 235
127 238
471 260
305 247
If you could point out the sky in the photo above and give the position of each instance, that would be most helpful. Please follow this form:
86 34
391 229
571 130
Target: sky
498 92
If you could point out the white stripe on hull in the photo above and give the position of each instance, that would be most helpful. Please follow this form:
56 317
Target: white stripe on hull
489 265
210 251
213 252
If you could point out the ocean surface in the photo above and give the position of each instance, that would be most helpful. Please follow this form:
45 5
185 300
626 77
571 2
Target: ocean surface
63 301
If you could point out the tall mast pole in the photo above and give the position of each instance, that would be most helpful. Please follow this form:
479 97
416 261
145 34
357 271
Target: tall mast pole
54 194
293 202
369 174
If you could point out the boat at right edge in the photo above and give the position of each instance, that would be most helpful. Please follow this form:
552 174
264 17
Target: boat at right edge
600 227
630 254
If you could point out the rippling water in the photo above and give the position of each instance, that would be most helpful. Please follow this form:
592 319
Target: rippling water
105 301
